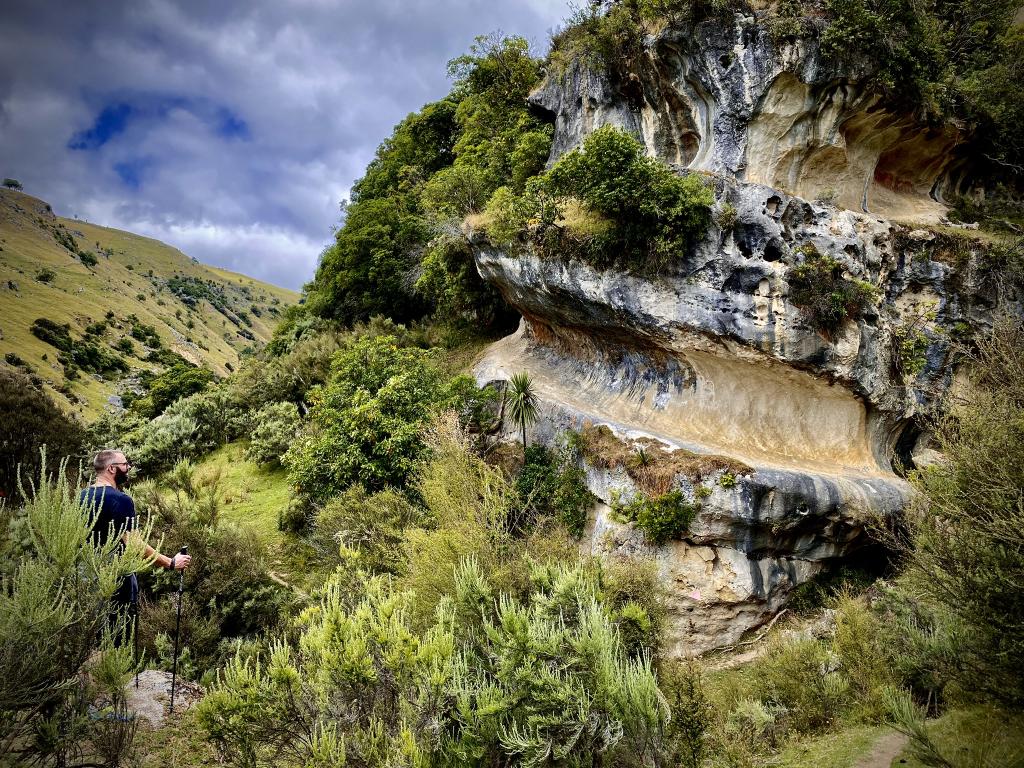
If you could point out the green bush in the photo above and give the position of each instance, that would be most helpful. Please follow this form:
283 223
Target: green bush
553 485
654 215
546 677
661 518
366 424
275 427
178 381
368 528
230 593
59 662
88 258
46 275
966 557
827 298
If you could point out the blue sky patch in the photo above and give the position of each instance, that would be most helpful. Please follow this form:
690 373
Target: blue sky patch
111 121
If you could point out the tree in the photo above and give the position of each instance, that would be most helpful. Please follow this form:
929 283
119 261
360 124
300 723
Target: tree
366 425
13 184
521 401
30 421
966 553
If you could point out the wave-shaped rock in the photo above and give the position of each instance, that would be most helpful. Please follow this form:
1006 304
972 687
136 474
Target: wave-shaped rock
711 354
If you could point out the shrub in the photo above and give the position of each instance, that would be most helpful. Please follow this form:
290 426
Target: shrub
231 593
275 427
368 527
124 344
547 675
46 275
654 215
88 258
457 191
966 557
553 485
13 184
366 425
54 617
802 677
827 298
661 518
178 381
55 334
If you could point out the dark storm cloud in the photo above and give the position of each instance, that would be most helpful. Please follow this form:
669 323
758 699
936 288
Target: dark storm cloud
229 129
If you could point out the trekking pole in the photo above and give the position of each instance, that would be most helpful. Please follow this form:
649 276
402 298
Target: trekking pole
177 626
135 632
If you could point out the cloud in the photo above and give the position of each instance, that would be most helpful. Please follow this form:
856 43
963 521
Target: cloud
233 129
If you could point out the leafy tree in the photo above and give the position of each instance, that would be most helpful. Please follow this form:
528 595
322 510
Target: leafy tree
275 426
12 184
31 421
521 401
366 425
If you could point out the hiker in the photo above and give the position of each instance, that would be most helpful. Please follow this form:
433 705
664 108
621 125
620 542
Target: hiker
114 512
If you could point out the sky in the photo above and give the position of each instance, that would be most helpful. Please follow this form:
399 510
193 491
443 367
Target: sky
229 129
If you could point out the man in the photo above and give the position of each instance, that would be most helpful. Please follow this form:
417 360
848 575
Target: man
114 514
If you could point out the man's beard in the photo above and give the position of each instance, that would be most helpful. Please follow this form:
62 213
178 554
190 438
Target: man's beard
120 477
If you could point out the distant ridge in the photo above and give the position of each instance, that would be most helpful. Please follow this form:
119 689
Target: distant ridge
74 273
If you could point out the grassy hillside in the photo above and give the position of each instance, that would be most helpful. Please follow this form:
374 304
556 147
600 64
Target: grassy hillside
75 273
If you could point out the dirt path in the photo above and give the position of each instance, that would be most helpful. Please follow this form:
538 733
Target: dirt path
885 751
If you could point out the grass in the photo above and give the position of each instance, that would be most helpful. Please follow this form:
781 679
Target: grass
178 743
838 749
976 737
79 295
252 495
648 462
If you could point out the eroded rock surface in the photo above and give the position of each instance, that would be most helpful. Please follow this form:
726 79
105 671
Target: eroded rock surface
711 355
725 98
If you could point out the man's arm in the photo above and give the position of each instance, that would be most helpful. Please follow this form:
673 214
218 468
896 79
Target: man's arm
179 561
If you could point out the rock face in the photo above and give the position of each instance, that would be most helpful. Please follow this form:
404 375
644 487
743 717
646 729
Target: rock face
710 355
725 98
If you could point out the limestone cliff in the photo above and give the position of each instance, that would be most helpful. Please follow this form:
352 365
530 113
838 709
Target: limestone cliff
711 355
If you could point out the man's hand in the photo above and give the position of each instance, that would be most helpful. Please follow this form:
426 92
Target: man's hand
181 562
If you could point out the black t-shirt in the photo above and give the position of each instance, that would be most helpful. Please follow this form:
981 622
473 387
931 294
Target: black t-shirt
112 512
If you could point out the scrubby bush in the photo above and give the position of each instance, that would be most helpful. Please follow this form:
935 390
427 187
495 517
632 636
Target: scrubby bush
553 486
275 427
367 528
88 258
46 275
178 381
366 425
230 591
826 297
58 658
966 556
508 680
661 518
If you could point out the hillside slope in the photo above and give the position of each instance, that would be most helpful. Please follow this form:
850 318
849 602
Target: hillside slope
78 274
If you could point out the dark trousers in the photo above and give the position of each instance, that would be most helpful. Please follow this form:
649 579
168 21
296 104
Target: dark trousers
124 610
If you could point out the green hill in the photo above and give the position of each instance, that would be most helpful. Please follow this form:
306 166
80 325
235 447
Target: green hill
107 286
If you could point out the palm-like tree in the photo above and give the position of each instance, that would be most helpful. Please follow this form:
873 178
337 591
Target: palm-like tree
521 401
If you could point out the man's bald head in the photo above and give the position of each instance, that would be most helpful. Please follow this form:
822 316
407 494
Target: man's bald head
106 458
